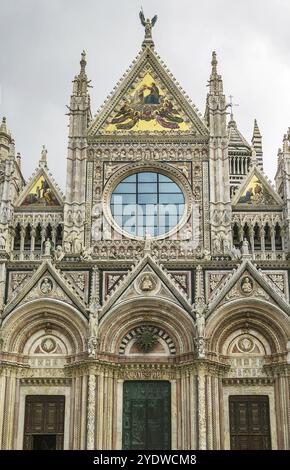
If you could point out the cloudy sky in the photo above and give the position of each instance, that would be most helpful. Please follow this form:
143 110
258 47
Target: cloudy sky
41 42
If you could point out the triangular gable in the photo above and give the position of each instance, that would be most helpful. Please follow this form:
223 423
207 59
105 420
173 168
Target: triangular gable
40 192
46 283
247 281
148 100
256 191
159 282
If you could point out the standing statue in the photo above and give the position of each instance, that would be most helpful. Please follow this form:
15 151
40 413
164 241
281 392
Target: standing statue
47 247
245 247
200 324
93 341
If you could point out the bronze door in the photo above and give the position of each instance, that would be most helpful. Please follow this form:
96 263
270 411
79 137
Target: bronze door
146 415
44 422
249 422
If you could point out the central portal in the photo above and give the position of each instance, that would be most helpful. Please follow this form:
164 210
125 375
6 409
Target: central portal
147 415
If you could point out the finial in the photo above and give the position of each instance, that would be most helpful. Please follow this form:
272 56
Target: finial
148 25
43 156
231 105
83 61
214 62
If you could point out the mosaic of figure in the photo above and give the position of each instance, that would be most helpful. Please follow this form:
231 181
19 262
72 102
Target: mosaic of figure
148 108
41 194
255 194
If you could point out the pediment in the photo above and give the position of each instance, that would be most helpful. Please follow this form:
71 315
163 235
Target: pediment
248 282
148 100
40 193
46 283
147 280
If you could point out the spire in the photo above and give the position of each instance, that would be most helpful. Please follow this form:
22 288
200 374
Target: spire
3 127
81 82
148 25
43 157
215 81
257 144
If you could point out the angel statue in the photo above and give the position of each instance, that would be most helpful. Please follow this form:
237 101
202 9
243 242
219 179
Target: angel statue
148 25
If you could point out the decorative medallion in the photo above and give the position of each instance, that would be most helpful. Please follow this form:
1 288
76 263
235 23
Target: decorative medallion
146 340
46 285
246 285
246 344
48 345
147 283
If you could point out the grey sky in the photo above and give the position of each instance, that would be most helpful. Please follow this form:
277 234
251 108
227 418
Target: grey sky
41 42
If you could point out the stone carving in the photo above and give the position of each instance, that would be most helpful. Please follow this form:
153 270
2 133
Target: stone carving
58 253
91 412
67 246
2 242
48 345
278 280
235 252
46 285
246 344
214 280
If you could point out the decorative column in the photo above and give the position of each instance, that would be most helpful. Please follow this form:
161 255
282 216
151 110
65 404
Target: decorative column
43 235
91 413
22 237
53 237
262 233
201 408
32 243
251 234
272 229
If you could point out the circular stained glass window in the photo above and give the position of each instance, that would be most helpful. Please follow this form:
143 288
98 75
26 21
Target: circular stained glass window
147 203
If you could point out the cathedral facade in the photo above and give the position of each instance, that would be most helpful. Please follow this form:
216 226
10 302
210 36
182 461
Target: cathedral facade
148 306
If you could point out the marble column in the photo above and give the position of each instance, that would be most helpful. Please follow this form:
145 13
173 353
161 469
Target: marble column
91 412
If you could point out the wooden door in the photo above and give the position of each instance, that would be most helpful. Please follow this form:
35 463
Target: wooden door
249 422
146 415
44 422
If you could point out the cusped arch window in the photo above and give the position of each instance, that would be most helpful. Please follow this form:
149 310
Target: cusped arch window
147 203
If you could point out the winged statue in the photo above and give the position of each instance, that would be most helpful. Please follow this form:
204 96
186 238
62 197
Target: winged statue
145 22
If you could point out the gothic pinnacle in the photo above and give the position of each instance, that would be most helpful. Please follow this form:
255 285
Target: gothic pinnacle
215 81
214 63
43 157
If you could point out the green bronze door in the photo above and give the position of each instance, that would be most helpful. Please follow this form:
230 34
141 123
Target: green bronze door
146 415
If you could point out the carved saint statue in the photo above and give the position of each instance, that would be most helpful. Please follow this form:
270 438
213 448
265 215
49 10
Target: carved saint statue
58 253
46 286
93 341
146 284
200 324
2 242
47 247
247 285
245 247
